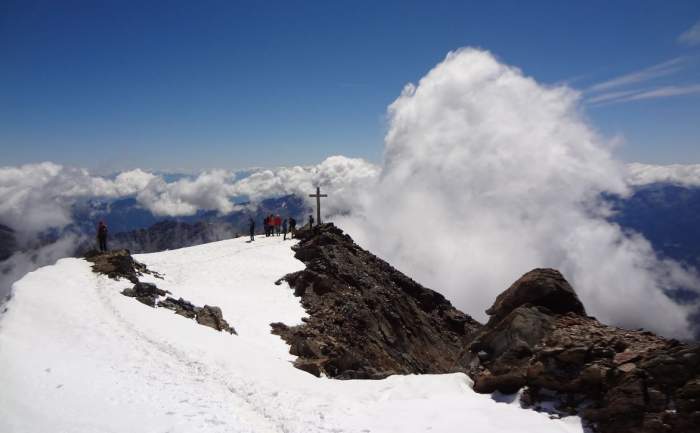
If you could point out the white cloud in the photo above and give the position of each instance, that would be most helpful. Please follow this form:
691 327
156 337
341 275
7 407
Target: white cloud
489 174
691 36
209 191
338 176
642 174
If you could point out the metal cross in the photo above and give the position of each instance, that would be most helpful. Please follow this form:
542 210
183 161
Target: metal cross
318 196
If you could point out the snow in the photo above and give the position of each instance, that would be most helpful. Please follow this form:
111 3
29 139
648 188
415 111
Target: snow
77 356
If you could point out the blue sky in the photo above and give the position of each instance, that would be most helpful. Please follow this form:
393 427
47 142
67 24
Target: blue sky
192 85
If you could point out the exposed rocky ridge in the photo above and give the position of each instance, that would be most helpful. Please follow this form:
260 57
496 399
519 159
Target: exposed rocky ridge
368 320
618 380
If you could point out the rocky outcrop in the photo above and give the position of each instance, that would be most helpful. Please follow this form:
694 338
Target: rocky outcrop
117 264
366 319
539 337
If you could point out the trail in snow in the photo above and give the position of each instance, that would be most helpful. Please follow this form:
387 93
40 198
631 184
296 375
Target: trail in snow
77 356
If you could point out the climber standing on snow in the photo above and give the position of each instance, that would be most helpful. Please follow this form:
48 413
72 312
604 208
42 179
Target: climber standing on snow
292 227
102 236
278 224
252 228
284 229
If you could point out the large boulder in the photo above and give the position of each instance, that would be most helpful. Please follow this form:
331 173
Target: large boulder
540 339
540 287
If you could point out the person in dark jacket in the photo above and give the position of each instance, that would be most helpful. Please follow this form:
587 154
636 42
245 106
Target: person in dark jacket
311 221
252 229
292 227
102 236
284 229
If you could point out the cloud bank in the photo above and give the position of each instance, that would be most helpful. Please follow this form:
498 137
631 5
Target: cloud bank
489 174
679 174
35 197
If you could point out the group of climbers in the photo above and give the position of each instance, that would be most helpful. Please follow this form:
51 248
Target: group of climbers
275 225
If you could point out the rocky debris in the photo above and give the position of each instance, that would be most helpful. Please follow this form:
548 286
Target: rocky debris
366 319
617 380
210 316
145 293
117 264
179 306
207 315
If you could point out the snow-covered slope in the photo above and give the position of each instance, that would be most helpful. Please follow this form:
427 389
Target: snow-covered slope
77 356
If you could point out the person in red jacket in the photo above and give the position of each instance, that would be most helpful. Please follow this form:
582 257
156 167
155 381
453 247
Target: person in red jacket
278 225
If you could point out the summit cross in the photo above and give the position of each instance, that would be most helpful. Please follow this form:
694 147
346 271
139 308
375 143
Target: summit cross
318 196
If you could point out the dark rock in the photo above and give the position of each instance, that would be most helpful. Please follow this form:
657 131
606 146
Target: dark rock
208 315
146 293
212 317
180 306
540 287
366 319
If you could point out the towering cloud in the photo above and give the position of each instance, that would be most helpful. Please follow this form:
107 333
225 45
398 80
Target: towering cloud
489 174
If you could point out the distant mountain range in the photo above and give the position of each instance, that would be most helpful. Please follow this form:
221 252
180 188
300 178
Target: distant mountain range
8 243
667 215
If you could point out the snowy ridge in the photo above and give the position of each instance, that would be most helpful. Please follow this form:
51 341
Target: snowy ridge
77 356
